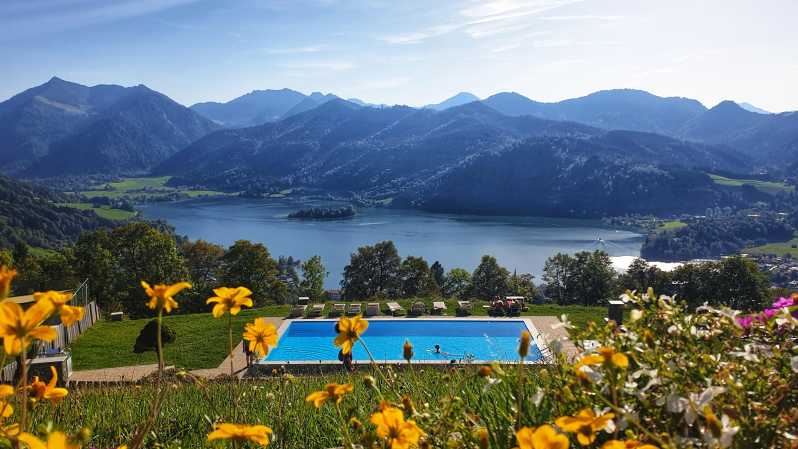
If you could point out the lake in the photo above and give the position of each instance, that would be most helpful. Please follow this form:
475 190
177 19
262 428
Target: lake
519 243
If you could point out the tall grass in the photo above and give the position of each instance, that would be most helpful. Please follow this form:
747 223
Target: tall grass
113 412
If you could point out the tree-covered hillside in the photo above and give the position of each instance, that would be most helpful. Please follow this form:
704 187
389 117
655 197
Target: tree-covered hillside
29 214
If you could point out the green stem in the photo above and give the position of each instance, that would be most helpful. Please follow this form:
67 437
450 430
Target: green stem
23 366
345 427
519 395
230 337
161 364
376 367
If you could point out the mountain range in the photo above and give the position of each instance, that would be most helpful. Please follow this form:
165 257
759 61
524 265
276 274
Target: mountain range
603 152
468 158
61 127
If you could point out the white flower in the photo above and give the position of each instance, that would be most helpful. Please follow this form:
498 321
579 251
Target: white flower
564 322
635 314
593 375
794 363
673 329
537 398
727 433
694 405
747 354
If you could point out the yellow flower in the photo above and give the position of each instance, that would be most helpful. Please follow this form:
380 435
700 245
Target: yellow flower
332 392
260 336
230 299
6 410
6 275
48 390
391 425
585 425
523 346
544 437
69 314
241 432
349 331
628 444
407 350
616 358
56 440
19 328
161 296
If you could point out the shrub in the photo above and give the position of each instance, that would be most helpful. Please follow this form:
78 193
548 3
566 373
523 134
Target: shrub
147 339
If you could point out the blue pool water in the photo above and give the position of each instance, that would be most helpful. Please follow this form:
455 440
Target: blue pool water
312 341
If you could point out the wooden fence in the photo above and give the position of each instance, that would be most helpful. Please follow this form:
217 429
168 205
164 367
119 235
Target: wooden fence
64 335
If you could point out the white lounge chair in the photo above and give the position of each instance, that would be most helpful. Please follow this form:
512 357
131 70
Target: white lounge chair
338 309
395 308
373 309
354 309
464 307
316 310
298 310
439 307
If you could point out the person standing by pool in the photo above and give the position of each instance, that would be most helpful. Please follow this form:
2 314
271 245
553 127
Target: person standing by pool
346 359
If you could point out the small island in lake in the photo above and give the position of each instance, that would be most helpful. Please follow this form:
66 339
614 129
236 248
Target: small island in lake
323 213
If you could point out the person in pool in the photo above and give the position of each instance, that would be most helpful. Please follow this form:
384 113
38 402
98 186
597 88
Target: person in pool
437 349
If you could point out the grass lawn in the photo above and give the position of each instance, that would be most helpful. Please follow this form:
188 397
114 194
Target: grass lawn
778 248
104 211
154 187
200 342
670 225
765 186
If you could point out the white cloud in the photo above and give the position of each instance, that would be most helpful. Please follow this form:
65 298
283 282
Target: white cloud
49 19
332 66
583 17
483 19
293 50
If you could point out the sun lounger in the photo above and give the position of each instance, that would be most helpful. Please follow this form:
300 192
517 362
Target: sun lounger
464 307
354 309
439 307
514 309
373 309
338 309
395 308
316 310
418 308
303 300
298 310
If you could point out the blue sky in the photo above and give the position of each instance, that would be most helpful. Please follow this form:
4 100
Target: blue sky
409 52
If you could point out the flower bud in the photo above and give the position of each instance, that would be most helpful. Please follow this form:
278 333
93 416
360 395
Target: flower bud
369 381
407 404
523 346
84 435
407 350
485 371
355 423
482 436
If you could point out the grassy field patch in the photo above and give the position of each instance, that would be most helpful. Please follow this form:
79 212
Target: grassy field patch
778 248
153 188
765 186
104 211
671 225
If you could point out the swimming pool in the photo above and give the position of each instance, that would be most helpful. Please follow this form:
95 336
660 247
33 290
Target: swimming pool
303 341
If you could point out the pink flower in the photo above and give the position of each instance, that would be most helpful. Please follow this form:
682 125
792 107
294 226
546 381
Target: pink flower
783 302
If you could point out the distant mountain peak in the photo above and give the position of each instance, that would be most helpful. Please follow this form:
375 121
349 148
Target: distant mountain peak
751 108
455 100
